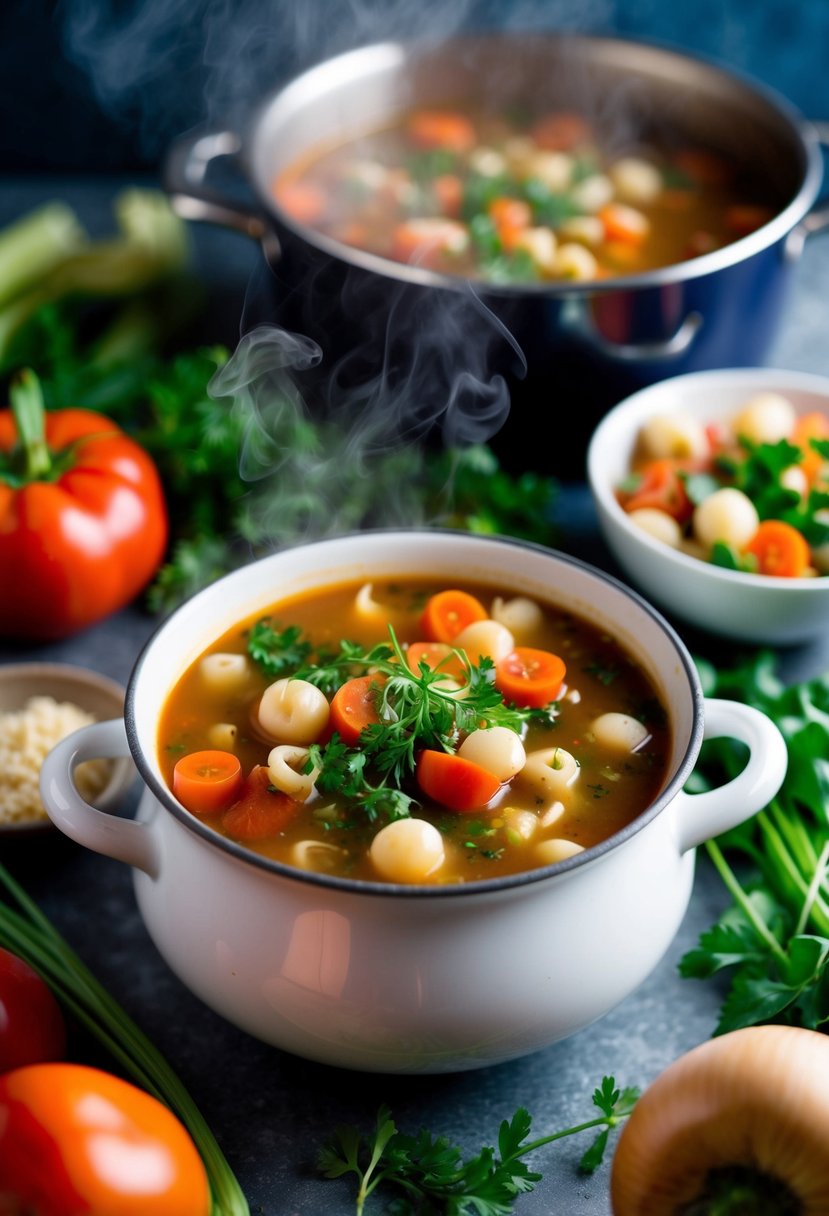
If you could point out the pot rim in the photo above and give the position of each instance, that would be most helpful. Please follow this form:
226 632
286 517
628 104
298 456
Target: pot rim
422 890
803 134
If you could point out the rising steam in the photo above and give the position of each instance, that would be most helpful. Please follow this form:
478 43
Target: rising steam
163 66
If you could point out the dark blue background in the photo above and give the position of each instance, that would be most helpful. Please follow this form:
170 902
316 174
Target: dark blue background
104 86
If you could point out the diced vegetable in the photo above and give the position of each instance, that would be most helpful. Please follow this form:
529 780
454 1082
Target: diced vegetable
207 781
448 613
530 677
455 782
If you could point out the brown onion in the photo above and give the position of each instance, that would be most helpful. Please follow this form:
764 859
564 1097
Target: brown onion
739 1124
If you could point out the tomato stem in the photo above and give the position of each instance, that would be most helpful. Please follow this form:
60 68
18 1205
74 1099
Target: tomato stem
26 396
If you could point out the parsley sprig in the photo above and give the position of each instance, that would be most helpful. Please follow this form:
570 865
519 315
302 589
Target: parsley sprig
774 938
431 1176
758 473
416 710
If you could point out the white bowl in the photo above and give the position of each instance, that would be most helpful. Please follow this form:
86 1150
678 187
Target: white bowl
373 975
752 608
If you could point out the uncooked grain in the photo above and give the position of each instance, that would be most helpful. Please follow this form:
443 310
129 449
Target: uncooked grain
26 737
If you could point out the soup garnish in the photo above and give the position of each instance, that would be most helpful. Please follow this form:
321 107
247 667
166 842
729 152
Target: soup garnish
519 199
458 734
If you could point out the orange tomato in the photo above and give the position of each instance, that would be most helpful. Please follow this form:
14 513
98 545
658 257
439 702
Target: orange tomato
76 1141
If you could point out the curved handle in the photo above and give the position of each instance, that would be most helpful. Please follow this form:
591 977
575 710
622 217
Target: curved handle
702 816
184 177
667 348
816 220
122 839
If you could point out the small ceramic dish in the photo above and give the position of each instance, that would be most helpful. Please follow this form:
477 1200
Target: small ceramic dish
753 608
97 694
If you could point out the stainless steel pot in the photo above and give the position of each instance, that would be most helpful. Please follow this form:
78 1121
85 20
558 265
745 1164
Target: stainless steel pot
436 351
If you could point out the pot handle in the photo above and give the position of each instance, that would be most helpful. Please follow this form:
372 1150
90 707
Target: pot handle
184 176
123 839
700 817
817 220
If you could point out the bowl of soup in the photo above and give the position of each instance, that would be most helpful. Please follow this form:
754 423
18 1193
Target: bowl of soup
712 492
414 800
526 219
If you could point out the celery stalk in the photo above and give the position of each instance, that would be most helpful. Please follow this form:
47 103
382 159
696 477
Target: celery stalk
33 245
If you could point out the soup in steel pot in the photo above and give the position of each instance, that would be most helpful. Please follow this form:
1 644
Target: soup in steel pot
459 733
516 197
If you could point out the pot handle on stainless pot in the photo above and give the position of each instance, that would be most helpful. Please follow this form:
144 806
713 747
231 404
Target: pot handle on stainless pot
699 817
122 839
817 220
184 177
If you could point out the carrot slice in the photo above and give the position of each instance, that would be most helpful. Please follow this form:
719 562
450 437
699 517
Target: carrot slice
448 613
810 426
427 241
530 677
303 201
354 707
261 811
704 167
561 132
437 656
208 781
662 488
781 550
743 218
448 190
441 129
454 782
624 224
511 217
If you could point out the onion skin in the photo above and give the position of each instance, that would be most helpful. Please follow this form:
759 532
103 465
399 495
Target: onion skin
757 1097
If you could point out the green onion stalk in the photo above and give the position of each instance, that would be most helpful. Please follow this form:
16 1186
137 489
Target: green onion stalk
27 932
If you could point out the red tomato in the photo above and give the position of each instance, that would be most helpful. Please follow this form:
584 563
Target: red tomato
75 1141
32 1029
83 524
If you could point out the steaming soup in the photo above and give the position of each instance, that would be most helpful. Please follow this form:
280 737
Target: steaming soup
511 200
459 733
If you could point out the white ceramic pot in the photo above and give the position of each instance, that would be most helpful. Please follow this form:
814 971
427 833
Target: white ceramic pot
414 979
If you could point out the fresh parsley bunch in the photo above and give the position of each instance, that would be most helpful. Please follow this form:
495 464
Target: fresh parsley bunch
429 1175
774 938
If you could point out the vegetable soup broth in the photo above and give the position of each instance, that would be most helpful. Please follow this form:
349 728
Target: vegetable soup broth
435 189
611 788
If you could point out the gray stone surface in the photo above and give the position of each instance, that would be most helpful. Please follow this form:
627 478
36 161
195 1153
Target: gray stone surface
271 1111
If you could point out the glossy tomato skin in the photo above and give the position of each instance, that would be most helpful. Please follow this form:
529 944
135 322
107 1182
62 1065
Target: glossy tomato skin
75 1141
32 1029
79 545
